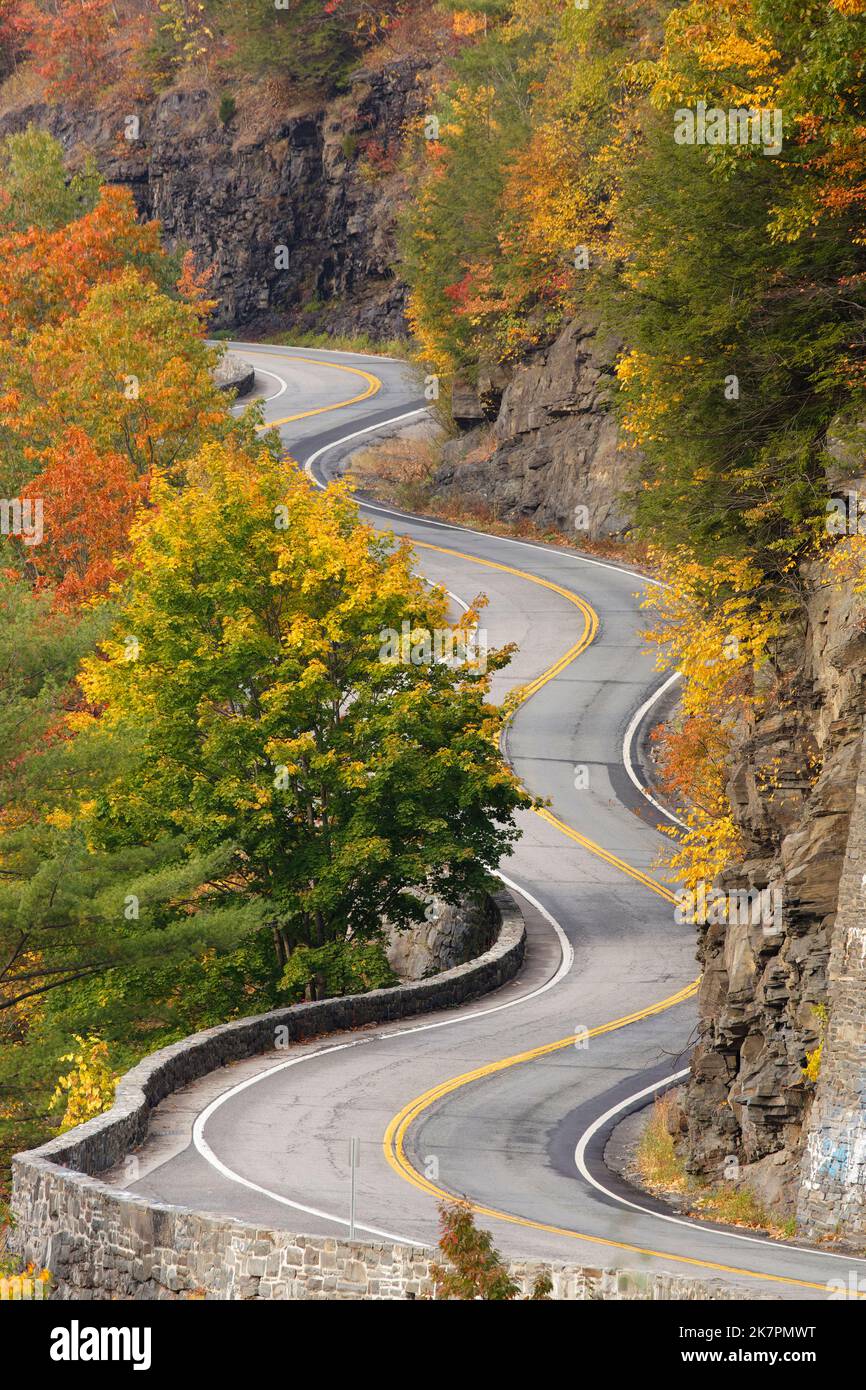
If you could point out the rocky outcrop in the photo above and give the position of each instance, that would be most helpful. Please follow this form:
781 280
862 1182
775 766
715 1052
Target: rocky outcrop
764 990
232 373
832 1195
291 208
551 451
448 936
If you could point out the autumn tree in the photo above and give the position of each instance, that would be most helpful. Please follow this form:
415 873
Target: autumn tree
130 370
269 720
89 500
69 44
740 286
36 190
474 1268
47 273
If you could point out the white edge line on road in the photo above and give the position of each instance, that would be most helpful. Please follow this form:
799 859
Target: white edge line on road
356 434
630 732
453 526
264 400
207 1153
767 1243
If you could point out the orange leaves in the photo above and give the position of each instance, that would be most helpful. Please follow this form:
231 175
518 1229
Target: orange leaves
69 43
464 23
192 285
129 369
47 275
89 501
105 378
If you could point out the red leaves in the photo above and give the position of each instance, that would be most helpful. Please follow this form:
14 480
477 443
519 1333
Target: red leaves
69 44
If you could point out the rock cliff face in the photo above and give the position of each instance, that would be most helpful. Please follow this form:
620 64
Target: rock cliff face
322 183
450 936
554 453
763 990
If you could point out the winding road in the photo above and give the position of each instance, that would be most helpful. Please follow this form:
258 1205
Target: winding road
510 1100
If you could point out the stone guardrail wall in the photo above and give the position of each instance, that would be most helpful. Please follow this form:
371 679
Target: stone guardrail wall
68 1222
103 1243
232 373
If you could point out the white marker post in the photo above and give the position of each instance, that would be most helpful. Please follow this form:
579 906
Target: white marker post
354 1165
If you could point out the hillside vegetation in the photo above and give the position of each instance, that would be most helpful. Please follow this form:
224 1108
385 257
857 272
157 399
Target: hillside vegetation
215 789
692 177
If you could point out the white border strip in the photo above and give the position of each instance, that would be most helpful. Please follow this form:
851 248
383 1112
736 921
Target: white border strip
628 740
767 1242
207 1153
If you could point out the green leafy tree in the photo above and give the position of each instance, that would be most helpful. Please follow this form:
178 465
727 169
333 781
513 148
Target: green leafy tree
35 188
248 660
739 284
339 967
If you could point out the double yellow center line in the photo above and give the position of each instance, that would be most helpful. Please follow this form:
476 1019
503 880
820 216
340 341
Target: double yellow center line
394 1141
395 1134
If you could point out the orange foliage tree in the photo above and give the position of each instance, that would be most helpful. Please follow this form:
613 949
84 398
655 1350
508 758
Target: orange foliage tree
89 500
47 275
69 43
130 370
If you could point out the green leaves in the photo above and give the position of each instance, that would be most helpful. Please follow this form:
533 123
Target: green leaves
340 967
35 189
266 717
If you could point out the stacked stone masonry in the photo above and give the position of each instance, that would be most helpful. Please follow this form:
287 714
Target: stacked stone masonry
101 1243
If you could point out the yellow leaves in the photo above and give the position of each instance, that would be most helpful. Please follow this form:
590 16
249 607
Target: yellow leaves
812 1070
711 627
708 846
846 562
88 1088
715 51
29 1284
648 395
464 23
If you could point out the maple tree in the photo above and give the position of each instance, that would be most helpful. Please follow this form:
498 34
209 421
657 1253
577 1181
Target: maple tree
129 369
89 501
267 718
48 272
105 375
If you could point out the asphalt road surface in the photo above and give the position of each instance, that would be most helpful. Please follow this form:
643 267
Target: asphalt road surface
494 1101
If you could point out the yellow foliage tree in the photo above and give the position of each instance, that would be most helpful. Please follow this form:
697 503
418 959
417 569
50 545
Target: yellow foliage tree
708 626
88 1087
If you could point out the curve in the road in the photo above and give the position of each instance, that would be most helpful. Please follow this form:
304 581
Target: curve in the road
493 1135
